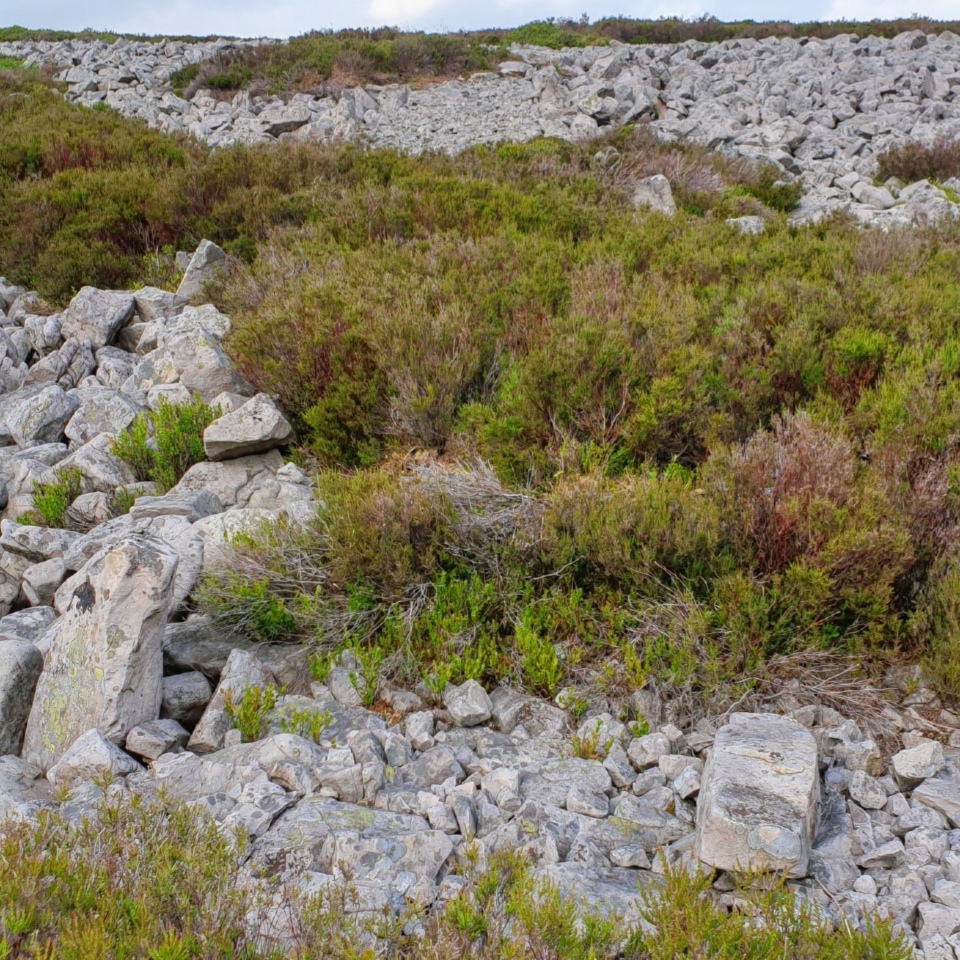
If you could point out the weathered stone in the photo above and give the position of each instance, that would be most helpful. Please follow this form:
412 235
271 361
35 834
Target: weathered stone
255 427
20 666
185 697
91 756
468 704
100 410
192 504
152 740
912 766
36 544
757 804
38 414
105 664
655 193
867 792
97 315
942 795
27 625
206 264
41 581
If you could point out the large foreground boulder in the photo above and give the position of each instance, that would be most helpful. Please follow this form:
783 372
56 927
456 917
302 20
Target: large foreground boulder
757 804
104 668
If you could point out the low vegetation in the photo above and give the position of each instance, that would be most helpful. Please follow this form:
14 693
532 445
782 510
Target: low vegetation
157 881
912 161
693 455
162 444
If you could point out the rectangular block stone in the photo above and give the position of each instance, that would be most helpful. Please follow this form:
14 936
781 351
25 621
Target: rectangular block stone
757 804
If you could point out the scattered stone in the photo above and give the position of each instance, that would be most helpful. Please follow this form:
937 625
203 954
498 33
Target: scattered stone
255 427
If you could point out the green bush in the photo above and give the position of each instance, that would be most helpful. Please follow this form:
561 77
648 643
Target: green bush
249 713
164 443
51 500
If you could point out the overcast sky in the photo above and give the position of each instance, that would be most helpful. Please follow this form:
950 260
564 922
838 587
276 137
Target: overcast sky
283 18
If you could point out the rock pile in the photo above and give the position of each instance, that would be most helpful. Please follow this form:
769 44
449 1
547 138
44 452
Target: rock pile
819 109
102 672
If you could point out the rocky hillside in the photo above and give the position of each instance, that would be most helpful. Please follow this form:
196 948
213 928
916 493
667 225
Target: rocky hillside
105 673
822 110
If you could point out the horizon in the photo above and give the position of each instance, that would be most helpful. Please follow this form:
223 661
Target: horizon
244 19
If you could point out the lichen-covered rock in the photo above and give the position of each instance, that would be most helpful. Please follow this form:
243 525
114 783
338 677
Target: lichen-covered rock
104 668
757 804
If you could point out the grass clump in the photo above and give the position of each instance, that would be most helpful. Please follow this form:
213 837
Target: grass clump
52 499
162 444
144 878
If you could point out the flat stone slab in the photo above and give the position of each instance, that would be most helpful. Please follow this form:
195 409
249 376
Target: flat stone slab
757 804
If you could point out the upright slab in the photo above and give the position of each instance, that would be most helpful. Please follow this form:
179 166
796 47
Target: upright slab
104 669
758 799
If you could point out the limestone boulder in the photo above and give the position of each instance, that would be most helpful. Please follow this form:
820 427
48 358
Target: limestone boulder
205 265
757 804
255 427
91 756
97 315
104 668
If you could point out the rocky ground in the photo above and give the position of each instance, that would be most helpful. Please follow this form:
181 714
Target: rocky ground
103 670
820 109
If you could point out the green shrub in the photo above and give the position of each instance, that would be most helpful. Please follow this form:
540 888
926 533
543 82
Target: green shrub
306 722
161 445
249 713
51 500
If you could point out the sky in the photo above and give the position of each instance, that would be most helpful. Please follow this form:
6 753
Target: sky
283 18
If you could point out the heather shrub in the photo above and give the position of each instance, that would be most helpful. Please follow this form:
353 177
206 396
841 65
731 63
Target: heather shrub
912 161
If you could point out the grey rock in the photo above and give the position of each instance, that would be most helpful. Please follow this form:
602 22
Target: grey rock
655 193
468 704
255 427
152 740
96 316
758 797
867 792
90 756
41 581
912 766
242 670
37 415
27 625
185 697
105 663
206 265
942 795
192 504
20 666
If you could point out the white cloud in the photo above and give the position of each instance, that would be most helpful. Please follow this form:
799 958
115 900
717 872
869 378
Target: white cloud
400 11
